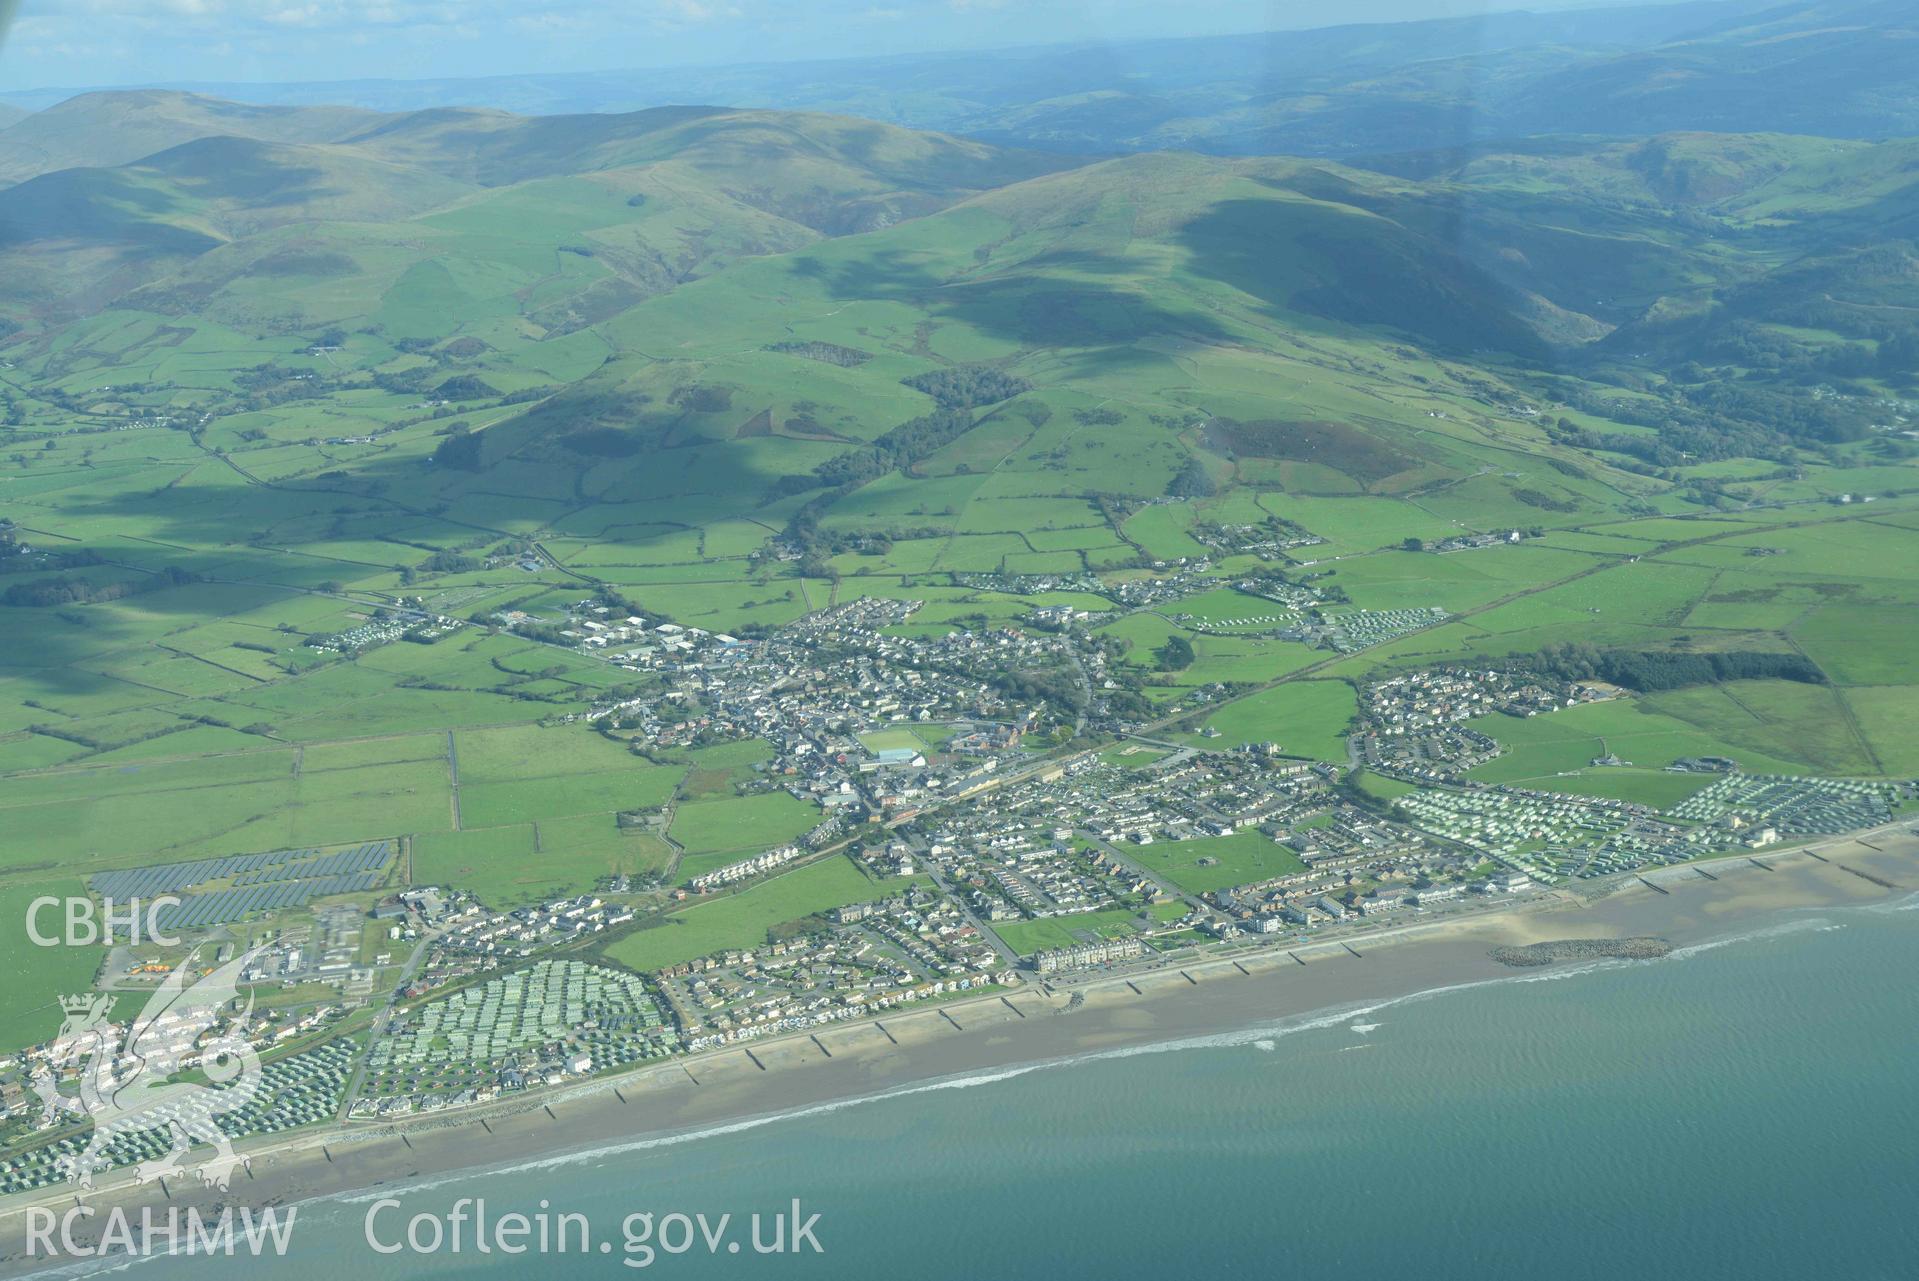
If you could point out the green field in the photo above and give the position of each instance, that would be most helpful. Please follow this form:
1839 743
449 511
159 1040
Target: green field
529 862
30 1009
741 920
1046 933
889 739
1767 726
1215 862
711 831
1306 718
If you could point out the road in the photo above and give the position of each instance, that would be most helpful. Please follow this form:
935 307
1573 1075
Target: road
1007 955
380 1021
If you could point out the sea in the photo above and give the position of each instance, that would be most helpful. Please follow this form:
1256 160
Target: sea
1746 1108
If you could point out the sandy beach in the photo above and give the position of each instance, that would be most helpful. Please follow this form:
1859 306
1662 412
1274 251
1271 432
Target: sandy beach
1253 992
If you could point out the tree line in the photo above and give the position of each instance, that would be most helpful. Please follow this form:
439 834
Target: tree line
1648 671
65 589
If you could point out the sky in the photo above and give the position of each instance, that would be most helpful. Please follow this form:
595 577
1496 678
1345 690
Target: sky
88 43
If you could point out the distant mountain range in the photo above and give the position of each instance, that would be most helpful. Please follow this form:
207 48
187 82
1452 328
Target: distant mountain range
1724 292
118 191
1837 68
1599 256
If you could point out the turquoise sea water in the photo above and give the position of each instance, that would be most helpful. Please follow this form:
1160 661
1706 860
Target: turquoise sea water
1746 1110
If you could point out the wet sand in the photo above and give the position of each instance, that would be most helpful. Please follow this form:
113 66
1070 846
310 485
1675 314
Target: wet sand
1017 1028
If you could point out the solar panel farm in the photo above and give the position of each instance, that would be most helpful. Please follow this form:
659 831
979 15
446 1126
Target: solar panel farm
256 884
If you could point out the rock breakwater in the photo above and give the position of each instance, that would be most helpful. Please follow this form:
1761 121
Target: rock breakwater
1536 954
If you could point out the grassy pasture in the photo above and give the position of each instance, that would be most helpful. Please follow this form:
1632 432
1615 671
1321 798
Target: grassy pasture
1782 720
1863 644
1216 862
1768 726
741 920
1886 714
1656 788
1045 933
530 751
201 808
30 1007
717 832
496 804
529 862
376 751
1306 718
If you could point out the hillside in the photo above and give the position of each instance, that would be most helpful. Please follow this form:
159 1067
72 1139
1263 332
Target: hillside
77 238
109 128
630 259
599 210
1839 68
527 237
829 173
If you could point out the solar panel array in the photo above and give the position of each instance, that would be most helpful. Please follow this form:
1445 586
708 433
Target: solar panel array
232 905
260 882
172 878
360 860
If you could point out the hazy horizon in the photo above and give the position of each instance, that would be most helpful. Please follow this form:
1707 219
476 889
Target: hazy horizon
109 44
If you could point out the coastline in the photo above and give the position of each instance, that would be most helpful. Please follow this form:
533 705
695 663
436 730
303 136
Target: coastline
1032 1027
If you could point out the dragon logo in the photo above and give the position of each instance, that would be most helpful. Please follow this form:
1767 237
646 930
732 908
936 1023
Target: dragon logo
138 1086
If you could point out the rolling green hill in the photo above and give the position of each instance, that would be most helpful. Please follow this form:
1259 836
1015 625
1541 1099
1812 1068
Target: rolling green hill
115 127
106 230
570 219
1772 260
830 173
522 253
